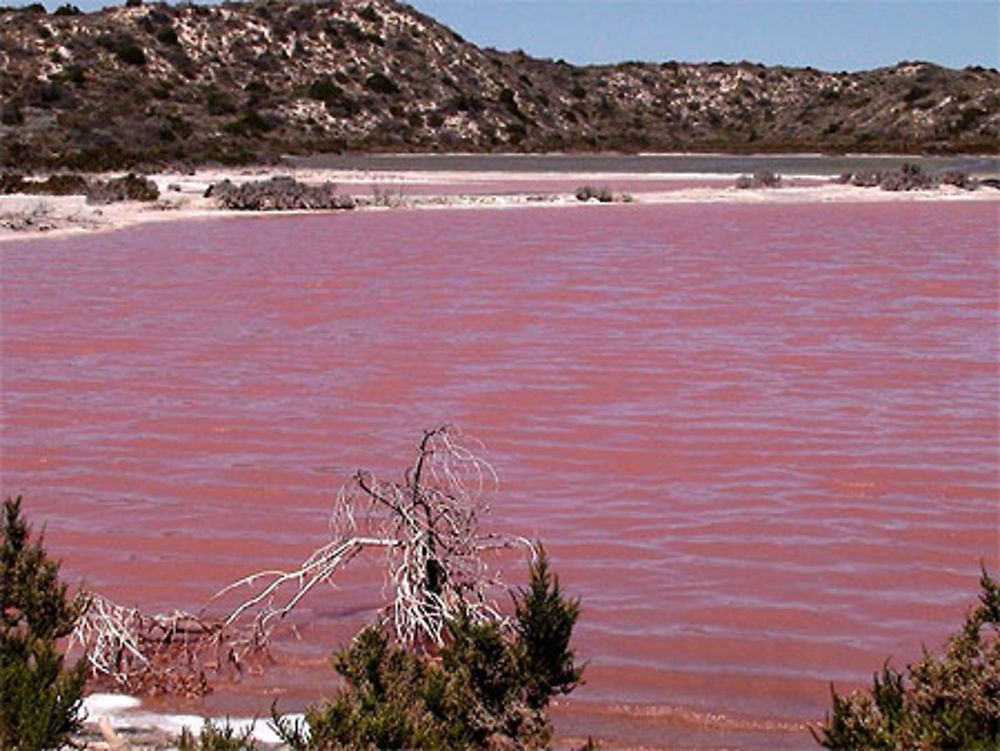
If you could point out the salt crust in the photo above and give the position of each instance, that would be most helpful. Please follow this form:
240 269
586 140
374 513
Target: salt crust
182 196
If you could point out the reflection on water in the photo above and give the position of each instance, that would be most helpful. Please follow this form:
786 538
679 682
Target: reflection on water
760 442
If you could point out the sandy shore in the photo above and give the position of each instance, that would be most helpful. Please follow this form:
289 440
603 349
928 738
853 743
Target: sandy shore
182 195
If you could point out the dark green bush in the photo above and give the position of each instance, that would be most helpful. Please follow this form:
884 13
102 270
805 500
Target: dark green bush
325 90
370 14
946 702
40 697
488 687
167 35
131 53
381 84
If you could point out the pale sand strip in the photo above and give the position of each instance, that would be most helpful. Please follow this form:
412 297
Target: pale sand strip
26 217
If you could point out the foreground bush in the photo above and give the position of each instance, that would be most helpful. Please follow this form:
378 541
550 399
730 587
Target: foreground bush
488 688
947 702
40 698
216 738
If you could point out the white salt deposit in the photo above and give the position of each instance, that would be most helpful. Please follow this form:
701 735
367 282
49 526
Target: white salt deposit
126 712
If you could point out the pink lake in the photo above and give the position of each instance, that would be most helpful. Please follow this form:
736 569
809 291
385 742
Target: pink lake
760 442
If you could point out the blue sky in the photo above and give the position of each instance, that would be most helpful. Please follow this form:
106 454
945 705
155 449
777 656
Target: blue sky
826 34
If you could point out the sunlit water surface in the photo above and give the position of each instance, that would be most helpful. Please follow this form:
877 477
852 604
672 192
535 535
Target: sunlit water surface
760 442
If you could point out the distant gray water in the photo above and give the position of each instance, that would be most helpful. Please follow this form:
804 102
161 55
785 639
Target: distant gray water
643 164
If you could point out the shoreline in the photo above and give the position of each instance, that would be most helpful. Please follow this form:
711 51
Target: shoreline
120 722
29 217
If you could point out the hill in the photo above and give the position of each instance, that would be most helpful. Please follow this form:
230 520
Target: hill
240 83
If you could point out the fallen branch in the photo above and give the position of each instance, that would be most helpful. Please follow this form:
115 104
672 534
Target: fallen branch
162 654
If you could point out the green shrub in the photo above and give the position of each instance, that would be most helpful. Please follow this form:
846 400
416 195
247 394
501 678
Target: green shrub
216 738
489 686
41 698
947 702
544 624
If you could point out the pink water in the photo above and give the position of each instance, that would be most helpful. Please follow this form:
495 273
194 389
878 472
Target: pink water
760 442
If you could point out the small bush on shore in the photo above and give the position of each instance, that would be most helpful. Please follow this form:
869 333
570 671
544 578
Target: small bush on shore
129 188
488 687
908 177
960 179
946 702
602 194
277 194
41 698
763 179
54 185
57 185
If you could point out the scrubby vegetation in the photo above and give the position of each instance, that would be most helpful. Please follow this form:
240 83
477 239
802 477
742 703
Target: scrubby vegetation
40 696
763 179
908 177
603 194
950 701
590 193
213 737
488 687
54 185
130 187
235 83
277 194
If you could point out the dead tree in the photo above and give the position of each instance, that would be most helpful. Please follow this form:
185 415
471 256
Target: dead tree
427 526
